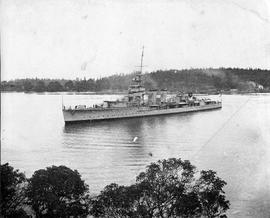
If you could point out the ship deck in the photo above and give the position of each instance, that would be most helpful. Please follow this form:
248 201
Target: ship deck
96 114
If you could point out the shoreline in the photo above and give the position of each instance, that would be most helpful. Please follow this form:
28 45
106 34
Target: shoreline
123 93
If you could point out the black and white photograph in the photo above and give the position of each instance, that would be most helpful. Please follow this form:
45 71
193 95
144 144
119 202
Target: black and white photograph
135 109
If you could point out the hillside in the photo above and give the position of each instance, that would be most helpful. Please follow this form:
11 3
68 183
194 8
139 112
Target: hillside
195 80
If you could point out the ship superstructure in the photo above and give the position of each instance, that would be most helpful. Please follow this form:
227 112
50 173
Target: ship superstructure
139 103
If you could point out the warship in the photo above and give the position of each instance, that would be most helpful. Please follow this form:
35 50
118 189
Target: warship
139 103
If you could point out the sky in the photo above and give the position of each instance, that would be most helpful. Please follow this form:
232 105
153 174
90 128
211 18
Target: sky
95 38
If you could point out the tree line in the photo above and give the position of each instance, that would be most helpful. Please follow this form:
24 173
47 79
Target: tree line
195 80
167 188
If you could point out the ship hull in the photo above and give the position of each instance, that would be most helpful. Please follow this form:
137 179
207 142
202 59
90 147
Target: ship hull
84 115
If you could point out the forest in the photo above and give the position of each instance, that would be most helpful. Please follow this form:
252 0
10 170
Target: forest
194 80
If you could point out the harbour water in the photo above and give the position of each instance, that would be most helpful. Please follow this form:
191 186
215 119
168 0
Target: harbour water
234 141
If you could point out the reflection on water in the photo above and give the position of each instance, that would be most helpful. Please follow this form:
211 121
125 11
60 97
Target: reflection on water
111 146
233 141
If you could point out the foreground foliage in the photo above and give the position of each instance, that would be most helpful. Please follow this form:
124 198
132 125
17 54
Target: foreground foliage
58 192
12 192
168 188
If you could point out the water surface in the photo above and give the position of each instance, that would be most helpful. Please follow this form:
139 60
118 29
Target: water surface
234 141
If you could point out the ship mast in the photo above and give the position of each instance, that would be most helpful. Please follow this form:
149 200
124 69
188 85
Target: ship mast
139 75
142 60
136 91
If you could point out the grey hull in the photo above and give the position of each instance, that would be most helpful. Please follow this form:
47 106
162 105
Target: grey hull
72 116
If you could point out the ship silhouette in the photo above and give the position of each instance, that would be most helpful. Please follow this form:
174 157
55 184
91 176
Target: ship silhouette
139 103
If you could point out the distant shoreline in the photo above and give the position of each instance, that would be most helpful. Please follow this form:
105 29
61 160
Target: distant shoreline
123 93
68 93
208 80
